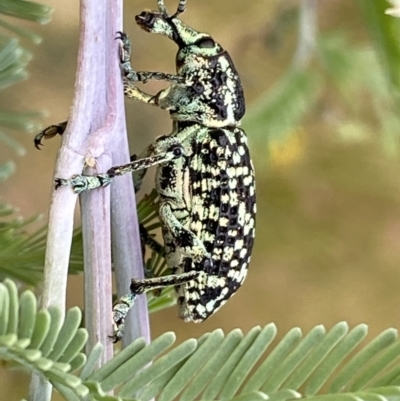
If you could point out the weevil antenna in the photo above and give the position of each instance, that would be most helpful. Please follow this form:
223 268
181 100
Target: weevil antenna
181 8
161 7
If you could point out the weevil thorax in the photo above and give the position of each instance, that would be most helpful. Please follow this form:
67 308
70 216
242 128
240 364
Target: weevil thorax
212 93
211 77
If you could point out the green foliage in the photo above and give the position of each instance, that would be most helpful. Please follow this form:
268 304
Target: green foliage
366 77
26 10
320 365
385 32
22 254
39 340
13 61
284 106
358 71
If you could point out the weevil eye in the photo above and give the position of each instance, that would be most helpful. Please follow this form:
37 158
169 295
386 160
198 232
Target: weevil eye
205 43
177 151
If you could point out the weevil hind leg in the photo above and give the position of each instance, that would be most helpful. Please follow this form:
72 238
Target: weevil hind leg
126 302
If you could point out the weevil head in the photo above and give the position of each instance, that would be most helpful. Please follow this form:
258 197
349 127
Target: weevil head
213 94
187 38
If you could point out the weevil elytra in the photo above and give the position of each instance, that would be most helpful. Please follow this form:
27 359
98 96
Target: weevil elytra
205 176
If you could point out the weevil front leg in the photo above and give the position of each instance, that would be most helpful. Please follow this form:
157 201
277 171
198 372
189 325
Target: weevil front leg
140 76
59 129
50 132
131 77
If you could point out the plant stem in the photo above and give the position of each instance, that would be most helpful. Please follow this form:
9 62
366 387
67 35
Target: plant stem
126 248
96 119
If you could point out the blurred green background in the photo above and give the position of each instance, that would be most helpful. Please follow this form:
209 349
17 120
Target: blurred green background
324 133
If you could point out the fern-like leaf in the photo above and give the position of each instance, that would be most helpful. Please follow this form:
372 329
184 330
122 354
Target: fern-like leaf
21 255
39 340
219 367
13 61
318 366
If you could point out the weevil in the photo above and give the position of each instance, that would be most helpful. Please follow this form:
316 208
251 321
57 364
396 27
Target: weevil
205 176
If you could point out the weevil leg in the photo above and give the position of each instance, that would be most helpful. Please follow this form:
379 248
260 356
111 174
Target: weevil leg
190 246
131 91
148 284
49 132
153 244
138 175
125 56
148 240
191 249
131 75
81 183
125 303
144 76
